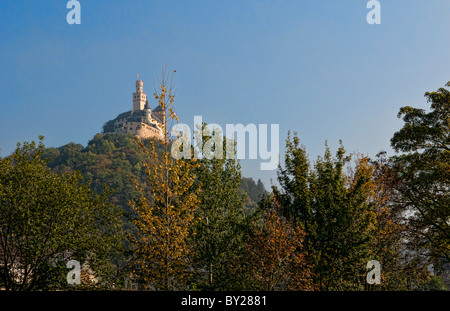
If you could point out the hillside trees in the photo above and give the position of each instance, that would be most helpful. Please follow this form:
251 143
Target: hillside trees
255 191
117 166
114 160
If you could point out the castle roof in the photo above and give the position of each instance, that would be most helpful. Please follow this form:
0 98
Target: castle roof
123 115
158 109
131 115
134 116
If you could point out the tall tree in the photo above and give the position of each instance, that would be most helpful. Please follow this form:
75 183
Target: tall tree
219 230
260 190
47 219
423 171
403 268
333 210
276 253
165 214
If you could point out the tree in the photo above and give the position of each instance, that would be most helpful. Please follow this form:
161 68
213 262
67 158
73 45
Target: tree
423 174
388 228
260 190
47 219
334 211
276 251
165 213
254 192
402 267
219 232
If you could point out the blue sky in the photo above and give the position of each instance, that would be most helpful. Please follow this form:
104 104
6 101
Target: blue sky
315 67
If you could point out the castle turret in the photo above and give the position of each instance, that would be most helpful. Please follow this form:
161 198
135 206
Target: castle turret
139 97
147 111
160 113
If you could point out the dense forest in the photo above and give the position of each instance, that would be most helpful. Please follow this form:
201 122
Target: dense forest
116 161
135 217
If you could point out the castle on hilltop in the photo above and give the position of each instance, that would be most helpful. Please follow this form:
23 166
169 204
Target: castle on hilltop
141 122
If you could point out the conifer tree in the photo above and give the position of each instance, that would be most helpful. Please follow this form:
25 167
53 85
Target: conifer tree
333 210
221 219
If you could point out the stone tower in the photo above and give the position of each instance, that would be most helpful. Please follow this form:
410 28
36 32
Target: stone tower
139 97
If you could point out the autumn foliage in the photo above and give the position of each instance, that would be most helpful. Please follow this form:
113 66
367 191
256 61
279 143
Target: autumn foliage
276 251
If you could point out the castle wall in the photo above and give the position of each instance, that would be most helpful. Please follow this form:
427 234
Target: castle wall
139 129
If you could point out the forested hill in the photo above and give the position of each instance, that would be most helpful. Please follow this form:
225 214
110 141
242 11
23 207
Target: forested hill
115 160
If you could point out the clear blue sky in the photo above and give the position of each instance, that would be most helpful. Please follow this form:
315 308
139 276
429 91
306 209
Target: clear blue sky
315 67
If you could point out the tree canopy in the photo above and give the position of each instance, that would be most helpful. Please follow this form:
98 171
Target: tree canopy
423 173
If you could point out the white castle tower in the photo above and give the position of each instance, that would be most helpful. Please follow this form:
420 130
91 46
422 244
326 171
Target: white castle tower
139 97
